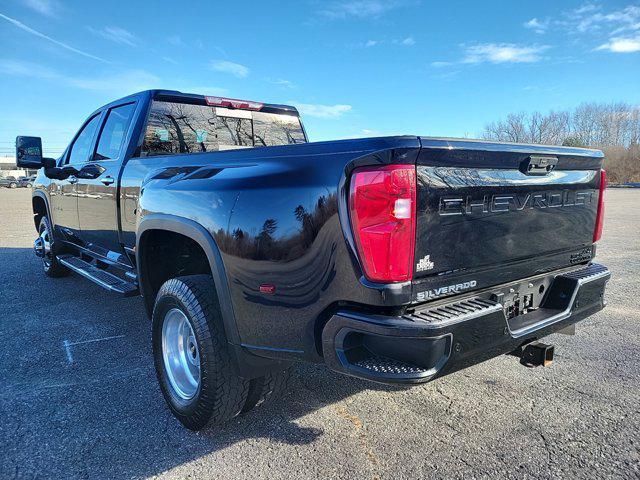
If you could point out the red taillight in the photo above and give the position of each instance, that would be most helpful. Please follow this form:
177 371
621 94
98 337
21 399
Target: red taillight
383 218
597 233
233 103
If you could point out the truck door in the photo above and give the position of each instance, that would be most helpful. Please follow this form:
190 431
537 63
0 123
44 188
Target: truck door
64 202
97 186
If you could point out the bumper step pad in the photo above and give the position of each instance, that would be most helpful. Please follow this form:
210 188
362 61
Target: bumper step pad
455 312
388 366
587 273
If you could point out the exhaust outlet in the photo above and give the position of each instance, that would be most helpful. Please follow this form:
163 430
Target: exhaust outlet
536 354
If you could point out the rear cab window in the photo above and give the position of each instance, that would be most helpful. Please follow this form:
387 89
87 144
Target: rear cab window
183 128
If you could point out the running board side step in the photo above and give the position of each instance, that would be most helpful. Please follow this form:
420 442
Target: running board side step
105 279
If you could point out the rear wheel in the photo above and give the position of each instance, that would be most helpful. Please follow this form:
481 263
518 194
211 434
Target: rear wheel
267 389
191 355
13 185
50 264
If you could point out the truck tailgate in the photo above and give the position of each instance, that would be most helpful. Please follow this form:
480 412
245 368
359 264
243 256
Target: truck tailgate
485 206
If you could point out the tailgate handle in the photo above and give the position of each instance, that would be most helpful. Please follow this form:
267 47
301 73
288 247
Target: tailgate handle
538 165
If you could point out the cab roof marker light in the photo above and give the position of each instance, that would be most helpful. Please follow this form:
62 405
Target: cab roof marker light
233 103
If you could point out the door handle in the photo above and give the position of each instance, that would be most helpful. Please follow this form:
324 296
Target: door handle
72 179
107 180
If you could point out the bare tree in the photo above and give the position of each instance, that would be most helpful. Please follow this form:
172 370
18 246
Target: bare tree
614 127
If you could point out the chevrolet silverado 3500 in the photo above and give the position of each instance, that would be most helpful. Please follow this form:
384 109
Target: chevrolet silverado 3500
397 259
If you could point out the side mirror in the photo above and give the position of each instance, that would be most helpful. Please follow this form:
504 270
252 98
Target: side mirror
49 163
29 152
60 173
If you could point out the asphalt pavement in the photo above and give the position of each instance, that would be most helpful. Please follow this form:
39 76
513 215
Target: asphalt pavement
79 398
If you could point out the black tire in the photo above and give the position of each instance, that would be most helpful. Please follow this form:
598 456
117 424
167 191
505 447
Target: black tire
267 389
220 393
52 268
13 185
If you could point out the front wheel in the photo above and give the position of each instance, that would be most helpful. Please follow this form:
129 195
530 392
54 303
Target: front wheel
50 264
13 185
191 354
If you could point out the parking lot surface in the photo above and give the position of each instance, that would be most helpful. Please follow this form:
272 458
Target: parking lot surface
79 398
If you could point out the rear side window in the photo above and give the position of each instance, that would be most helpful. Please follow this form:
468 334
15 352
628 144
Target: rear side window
82 146
179 128
113 132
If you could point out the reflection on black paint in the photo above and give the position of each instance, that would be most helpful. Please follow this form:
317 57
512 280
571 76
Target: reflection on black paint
266 245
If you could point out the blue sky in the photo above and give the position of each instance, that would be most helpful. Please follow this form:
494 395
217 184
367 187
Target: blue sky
353 67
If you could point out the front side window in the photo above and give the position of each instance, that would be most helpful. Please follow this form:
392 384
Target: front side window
179 128
82 146
113 132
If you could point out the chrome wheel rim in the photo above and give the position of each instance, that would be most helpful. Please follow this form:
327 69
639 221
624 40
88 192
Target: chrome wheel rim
180 354
46 242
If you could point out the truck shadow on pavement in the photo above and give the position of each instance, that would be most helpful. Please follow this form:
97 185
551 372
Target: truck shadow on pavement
79 397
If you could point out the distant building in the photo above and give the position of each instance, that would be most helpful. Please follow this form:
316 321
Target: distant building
8 168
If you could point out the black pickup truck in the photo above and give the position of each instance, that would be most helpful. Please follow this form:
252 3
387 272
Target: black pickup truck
397 259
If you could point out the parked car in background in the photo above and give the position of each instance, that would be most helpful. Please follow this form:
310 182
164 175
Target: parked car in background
26 181
9 182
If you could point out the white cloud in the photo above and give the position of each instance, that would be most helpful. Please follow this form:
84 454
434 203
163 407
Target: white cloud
49 8
586 8
441 64
176 40
590 17
405 42
120 83
536 25
365 132
446 75
116 34
126 82
322 111
235 69
207 90
361 9
620 28
28 69
36 33
281 82
622 45
503 53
